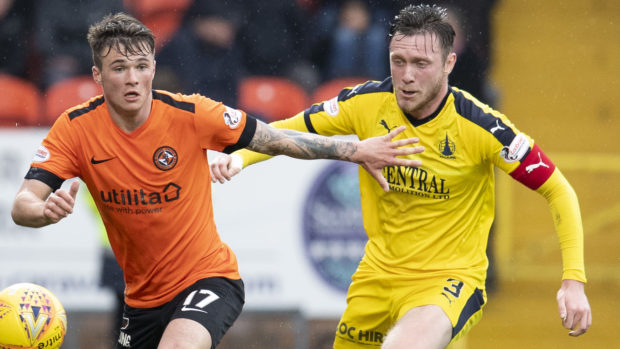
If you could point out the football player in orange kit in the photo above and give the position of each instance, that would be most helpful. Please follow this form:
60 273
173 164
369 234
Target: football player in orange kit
141 153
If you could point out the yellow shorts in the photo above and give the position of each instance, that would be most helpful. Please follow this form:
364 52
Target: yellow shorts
376 301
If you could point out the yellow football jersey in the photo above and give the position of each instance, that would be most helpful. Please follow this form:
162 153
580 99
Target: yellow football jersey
437 216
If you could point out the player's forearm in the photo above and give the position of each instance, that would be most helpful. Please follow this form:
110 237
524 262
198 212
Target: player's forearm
28 210
300 145
250 157
564 206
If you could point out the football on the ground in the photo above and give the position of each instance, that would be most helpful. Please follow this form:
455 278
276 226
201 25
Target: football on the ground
31 317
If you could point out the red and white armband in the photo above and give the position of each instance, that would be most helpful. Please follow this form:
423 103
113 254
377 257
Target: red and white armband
534 169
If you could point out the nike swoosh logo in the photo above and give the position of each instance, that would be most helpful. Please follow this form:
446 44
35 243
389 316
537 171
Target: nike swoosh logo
193 309
95 162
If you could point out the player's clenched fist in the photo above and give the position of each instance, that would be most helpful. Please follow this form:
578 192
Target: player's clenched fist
60 203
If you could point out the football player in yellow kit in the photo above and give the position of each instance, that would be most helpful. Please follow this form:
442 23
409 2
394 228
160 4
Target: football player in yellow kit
421 282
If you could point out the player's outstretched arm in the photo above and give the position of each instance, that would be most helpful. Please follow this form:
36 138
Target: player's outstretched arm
574 307
35 205
373 154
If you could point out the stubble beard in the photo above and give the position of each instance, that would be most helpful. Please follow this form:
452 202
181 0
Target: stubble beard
418 109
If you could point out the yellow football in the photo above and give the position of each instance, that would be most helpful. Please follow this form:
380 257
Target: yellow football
31 317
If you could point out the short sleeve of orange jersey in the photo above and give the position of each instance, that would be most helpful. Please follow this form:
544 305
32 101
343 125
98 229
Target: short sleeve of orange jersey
56 153
218 125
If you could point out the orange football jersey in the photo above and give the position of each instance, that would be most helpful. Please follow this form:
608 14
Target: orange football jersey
152 186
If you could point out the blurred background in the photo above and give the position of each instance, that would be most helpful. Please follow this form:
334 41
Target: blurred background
550 66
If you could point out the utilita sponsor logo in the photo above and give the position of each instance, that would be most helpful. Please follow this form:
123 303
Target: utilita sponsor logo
140 197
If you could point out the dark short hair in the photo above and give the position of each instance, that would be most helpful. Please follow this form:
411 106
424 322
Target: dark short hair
421 19
122 32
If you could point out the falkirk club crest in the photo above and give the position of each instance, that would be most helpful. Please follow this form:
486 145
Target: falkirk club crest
447 148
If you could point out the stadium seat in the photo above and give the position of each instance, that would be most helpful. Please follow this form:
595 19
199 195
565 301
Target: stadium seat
163 17
67 93
20 102
331 88
271 98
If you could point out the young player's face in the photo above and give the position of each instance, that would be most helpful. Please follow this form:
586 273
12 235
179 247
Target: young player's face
419 72
127 82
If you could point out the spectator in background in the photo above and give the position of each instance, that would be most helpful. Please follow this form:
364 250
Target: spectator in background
207 40
15 24
357 42
59 29
274 41
471 70
353 34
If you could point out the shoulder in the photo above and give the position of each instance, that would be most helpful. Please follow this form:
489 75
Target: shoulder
176 100
194 103
83 114
86 108
485 118
366 97
369 88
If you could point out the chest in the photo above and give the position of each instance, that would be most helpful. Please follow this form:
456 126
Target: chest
454 158
149 160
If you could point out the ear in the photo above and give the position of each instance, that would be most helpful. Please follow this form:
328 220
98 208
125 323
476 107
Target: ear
96 75
450 62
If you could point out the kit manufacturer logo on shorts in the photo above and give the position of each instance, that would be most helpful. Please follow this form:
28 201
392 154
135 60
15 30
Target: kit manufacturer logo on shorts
232 117
165 158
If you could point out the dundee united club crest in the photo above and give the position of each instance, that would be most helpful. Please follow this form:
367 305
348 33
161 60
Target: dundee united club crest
165 158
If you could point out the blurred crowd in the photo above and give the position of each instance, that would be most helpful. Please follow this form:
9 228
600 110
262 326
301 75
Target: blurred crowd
209 46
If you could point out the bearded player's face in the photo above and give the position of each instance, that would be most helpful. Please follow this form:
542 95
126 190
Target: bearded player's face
418 72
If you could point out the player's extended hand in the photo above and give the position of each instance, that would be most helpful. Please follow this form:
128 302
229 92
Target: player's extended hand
373 154
224 167
60 203
574 307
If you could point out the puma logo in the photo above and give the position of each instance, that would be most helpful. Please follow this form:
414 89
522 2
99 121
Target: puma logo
498 127
384 124
532 167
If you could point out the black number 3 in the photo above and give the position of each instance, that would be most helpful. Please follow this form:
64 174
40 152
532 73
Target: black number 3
454 288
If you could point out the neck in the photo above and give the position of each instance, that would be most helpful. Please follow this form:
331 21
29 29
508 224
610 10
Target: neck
130 120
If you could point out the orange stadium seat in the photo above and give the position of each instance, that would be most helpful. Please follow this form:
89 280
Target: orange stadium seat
331 88
271 98
68 93
163 17
20 102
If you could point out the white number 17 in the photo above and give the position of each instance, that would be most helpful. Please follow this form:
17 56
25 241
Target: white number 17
208 299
